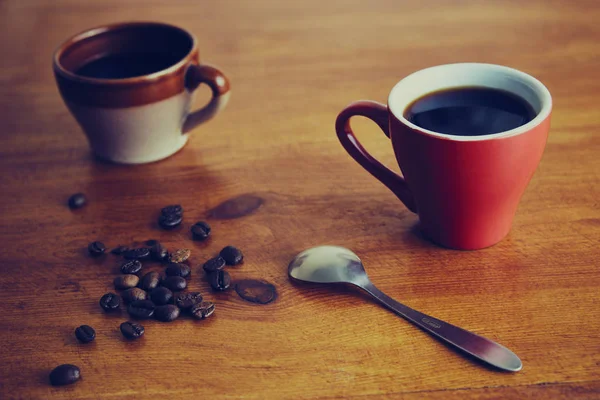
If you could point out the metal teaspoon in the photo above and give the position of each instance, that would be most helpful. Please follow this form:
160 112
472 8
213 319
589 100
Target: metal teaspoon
332 264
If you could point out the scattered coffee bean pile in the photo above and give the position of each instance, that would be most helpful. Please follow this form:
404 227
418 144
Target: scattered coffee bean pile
153 295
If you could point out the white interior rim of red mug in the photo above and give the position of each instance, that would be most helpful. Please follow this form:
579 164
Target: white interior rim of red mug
448 76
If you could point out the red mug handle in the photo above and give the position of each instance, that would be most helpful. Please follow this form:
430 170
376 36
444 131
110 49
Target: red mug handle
379 114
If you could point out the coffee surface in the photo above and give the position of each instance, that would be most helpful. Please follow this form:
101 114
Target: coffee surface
127 65
470 111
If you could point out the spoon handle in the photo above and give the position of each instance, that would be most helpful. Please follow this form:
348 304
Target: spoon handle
475 345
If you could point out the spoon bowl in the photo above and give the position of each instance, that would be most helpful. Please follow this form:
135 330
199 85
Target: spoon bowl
333 264
326 264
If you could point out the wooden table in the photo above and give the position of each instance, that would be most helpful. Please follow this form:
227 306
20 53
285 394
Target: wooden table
293 66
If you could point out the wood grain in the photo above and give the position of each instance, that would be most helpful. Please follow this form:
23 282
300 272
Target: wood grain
293 66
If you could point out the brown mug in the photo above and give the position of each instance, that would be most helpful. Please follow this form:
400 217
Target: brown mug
130 88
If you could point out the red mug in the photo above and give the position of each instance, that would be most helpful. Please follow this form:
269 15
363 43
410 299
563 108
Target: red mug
465 189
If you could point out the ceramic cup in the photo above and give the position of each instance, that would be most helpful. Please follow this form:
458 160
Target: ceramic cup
137 119
465 189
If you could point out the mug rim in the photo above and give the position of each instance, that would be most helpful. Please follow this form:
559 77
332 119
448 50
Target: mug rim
98 30
538 88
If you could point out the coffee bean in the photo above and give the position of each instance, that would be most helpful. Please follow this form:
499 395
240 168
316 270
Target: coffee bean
126 281
219 280
141 309
119 250
179 256
170 221
134 294
177 269
85 333
64 375
151 242
175 283
200 230
159 252
150 281
166 313
202 310
232 255
172 209
96 249
131 267
161 296
77 200
140 253
214 264
187 300
132 330
110 302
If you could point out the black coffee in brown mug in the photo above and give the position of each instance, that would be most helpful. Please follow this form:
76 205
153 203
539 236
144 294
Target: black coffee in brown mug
128 65
469 111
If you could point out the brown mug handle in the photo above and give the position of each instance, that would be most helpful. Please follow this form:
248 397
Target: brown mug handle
219 85
378 113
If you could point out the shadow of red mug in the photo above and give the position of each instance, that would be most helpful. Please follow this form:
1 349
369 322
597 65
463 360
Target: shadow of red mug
465 189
